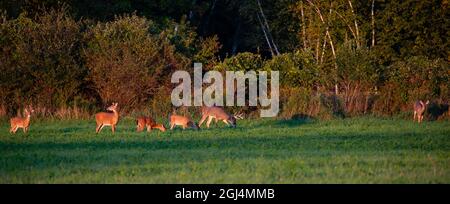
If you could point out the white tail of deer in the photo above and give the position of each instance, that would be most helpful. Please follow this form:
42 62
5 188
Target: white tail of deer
107 119
419 110
218 113
20 122
182 121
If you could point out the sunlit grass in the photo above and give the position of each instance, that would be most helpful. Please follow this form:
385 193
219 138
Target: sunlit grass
358 150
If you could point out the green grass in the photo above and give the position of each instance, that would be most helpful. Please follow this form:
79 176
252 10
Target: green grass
358 150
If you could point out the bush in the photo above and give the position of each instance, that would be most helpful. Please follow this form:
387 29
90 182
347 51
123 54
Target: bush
296 69
245 61
301 103
358 77
40 59
416 78
127 64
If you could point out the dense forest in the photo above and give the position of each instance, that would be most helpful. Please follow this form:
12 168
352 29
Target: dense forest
336 58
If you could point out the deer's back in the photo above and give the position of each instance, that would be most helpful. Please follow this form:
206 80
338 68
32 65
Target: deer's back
216 112
19 121
106 118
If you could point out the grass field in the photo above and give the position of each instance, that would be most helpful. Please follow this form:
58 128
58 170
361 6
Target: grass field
358 150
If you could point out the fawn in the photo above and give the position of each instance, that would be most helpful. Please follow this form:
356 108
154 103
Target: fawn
19 122
419 110
149 123
218 113
107 119
182 121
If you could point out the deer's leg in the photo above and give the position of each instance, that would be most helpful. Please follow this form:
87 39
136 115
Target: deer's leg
171 126
226 122
101 127
414 117
11 130
15 129
97 129
149 128
209 121
202 120
113 128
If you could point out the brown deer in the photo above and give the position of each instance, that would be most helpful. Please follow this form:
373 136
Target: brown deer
218 113
149 123
182 121
419 110
107 119
19 122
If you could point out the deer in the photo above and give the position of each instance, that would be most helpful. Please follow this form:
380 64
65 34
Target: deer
149 123
107 119
20 122
218 113
419 110
182 121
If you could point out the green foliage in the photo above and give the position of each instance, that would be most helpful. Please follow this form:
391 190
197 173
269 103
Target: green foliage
124 51
417 78
245 61
356 65
296 69
41 59
412 28
51 59
207 50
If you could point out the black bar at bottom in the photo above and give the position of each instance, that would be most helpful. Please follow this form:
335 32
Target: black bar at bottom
223 192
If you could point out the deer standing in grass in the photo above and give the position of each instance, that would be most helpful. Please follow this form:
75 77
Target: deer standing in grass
19 122
218 113
149 123
107 119
182 121
419 110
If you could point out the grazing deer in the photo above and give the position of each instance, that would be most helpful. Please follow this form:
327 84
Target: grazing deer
218 113
419 110
19 122
149 123
107 119
182 121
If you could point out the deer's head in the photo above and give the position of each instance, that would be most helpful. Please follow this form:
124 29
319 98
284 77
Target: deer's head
113 107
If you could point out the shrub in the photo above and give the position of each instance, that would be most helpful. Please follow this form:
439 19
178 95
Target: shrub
297 69
245 61
127 64
40 56
416 78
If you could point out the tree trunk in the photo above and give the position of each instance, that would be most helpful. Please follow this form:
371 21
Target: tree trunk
265 35
358 44
236 37
373 23
323 48
267 28
303 25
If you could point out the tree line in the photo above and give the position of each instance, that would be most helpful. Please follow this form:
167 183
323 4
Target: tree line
336 58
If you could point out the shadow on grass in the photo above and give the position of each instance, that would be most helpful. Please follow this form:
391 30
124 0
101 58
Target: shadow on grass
293 122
